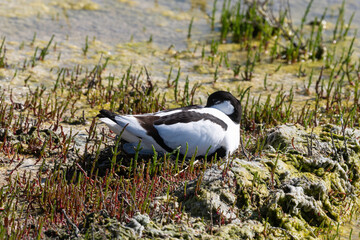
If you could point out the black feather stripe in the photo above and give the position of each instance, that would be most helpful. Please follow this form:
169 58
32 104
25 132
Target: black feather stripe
147 122
189 116
186 108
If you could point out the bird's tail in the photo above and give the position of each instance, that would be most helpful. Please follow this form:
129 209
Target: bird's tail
108 118
107 114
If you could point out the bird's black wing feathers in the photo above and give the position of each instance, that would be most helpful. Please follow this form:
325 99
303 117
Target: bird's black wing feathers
188 116
183 108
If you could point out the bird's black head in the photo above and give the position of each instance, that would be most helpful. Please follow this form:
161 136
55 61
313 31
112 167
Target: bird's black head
227 103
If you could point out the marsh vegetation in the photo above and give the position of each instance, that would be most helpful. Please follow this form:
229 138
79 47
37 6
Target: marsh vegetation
64 175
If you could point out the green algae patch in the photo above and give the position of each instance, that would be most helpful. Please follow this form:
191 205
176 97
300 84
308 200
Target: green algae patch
76 5
129 2
245 230
25 8
283 195
202 69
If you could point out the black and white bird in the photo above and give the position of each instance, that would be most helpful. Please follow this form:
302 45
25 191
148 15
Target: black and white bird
212 129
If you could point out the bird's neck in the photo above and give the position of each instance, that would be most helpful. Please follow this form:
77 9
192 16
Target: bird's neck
236 115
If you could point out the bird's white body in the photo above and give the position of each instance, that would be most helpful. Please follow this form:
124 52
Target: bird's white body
196 130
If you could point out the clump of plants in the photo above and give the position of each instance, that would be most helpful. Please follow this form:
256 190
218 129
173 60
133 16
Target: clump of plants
249 22
71 182
74 183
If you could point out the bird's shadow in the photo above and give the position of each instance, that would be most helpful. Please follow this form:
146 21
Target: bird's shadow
122 161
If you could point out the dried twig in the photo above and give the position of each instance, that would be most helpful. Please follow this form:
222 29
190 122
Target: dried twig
268 14
69 222
195 162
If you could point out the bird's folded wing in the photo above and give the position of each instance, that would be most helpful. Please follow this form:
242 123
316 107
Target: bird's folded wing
197 129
